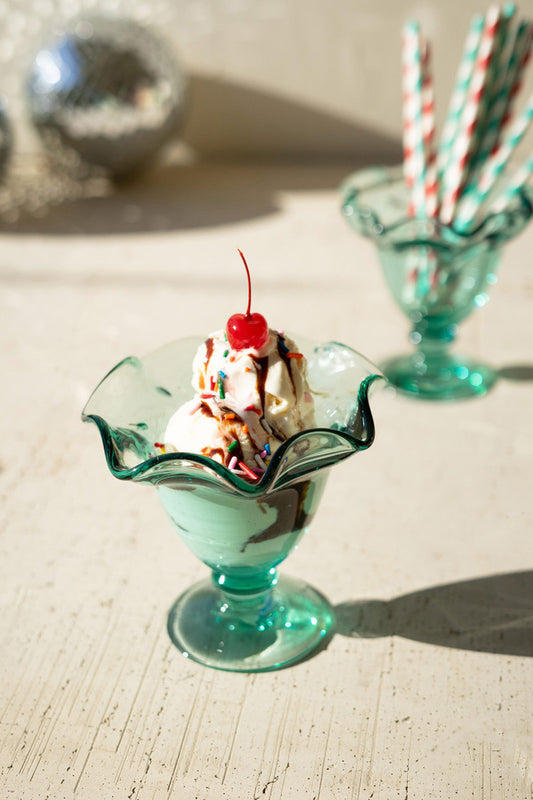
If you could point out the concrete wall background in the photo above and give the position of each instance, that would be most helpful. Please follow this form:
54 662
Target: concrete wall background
292 78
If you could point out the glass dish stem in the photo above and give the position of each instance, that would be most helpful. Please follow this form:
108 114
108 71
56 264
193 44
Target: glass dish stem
249 628
432 371
437 289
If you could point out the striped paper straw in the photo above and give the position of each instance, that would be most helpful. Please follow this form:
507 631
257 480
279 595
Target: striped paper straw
455 176
470 205
494 86
428 128
460 91
517 65
508 86
517 182
413 136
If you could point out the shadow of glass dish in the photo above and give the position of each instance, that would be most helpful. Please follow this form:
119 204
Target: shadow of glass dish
493 614
230 129
520 373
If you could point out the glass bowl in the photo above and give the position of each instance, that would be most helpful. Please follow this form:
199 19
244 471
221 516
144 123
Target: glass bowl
436 274
244 617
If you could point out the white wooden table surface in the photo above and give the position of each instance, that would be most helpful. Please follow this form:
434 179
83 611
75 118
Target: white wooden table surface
423 543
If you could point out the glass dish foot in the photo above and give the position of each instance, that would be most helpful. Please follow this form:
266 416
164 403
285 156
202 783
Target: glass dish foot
251 633
446 378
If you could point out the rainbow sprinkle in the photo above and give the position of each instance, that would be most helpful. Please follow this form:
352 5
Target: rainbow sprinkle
248 471
260 461
265 425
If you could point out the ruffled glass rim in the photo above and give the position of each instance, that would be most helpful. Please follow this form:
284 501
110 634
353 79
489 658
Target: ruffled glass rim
290 462
362 189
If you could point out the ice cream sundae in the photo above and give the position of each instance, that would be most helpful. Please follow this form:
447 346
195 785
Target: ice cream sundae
251 395
239 461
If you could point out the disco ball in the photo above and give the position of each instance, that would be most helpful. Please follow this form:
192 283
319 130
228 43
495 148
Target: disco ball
106 92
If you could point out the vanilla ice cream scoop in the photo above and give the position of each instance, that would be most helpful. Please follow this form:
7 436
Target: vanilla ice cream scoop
247 402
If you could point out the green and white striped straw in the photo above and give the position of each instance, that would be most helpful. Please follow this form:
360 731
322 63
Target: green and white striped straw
517 182
470 204
460 92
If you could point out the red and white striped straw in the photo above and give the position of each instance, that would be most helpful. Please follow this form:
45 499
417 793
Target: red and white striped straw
455 176
428 128
413 135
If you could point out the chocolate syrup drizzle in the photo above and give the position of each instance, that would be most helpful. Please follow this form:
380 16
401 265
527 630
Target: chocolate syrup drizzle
211 452
205 410
291 513
282 352
261 376
209 347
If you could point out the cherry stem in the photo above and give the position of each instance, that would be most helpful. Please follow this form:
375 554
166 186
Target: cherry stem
249 283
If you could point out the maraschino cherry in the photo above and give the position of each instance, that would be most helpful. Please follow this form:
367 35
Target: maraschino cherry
247 330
